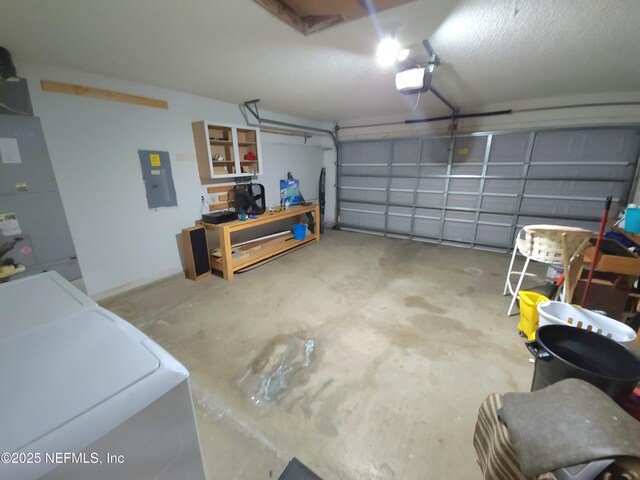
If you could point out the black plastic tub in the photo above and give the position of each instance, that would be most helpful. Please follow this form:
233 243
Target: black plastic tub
569 352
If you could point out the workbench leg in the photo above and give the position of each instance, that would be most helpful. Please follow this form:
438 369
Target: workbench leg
316 212
225 249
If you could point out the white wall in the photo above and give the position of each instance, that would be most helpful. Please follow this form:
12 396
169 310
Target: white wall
94 144
303 161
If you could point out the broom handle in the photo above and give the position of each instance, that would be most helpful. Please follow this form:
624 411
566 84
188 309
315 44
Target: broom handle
594 261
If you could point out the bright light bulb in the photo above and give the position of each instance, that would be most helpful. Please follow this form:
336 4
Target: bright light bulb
403 54
387 51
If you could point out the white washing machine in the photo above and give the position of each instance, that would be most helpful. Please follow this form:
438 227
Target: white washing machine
85 395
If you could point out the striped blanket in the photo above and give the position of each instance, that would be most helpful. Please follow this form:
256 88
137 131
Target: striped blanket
496 455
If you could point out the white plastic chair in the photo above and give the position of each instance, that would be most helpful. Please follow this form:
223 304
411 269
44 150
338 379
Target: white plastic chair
544 244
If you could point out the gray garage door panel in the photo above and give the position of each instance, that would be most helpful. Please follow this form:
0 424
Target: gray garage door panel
569 208
509 148
363 195
365 207
462 169
406 151
469 149
462 201
426 170
403 198
464 185
435 150
367 152
406 211
427 227
364 220
353 169
574 188
462 216
399 224
429 213
459 232
365 182
432 184
492 234
490 218
583 146
501 186
499 204
403 183
504 170
430 199
480 189
606 171
404 171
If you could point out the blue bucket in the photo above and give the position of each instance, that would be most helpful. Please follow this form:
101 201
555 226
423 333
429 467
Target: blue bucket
299 231
632 220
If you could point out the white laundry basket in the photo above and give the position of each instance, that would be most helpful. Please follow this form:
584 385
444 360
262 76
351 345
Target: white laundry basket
564 314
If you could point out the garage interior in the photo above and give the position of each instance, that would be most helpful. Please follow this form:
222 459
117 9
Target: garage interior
366 348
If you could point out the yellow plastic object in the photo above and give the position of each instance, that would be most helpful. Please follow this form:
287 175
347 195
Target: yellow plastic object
529 312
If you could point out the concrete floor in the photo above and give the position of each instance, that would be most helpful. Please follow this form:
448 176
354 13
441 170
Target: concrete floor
408 340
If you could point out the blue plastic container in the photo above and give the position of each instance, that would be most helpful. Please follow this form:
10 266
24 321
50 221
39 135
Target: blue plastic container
299 231
632 220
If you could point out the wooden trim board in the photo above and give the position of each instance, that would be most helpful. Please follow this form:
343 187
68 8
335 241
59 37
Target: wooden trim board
223 199
220 189
218 206
101 94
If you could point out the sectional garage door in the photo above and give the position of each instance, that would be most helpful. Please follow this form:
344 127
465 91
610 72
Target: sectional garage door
477 190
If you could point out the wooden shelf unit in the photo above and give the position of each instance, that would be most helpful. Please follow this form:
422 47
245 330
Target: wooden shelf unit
228 265
229 142
248 143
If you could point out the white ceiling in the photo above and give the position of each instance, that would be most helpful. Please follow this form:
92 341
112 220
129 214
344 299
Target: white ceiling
493 51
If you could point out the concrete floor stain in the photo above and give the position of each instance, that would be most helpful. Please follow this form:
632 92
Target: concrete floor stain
474 272
416 301
440 337
283 364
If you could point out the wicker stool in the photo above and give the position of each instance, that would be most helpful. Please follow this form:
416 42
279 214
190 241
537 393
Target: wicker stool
544 244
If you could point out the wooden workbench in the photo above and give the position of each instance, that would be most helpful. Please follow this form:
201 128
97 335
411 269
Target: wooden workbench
229 265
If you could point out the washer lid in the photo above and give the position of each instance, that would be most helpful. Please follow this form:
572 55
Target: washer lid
31 301
60 370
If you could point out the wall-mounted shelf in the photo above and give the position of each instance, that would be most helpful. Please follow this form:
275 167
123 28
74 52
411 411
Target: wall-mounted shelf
232 144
